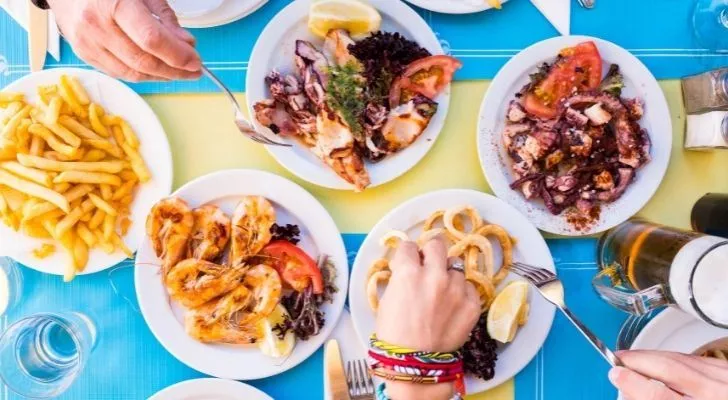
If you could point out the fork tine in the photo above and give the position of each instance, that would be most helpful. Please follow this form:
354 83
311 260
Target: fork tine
366 379
542 273
350 378
370 382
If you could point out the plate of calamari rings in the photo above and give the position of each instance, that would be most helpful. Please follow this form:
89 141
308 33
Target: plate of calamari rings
487 235
241 283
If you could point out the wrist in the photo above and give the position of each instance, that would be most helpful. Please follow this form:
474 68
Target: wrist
418 391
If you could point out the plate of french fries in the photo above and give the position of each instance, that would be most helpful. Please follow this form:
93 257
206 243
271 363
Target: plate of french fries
82 161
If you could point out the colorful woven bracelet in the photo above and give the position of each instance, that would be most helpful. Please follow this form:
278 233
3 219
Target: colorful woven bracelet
403 353
382 393
414 368
390 375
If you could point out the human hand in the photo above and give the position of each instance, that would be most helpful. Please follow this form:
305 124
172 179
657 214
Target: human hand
124 39
698 378
426 307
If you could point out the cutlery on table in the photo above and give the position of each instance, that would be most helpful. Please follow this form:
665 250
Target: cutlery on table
242 123
37 37
552 290
334 370
586 3
361 386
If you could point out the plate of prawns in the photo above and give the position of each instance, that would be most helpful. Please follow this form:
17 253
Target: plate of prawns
242 274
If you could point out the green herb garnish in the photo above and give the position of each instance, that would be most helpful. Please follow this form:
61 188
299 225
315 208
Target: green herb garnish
345 94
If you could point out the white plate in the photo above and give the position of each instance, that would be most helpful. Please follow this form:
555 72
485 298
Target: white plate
531 248
454 6
275 50
639 83
293 205
210 389
230 11
115 98
677 331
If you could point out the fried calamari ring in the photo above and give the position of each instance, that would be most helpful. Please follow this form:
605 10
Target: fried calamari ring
380 265
506 243
480 243
393 238
457 229
426 236
373 287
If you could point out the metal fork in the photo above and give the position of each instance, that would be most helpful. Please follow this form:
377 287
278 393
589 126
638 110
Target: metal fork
586 3
359 381
552 290
242 123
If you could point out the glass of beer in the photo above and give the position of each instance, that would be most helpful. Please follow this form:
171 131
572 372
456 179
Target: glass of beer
644 266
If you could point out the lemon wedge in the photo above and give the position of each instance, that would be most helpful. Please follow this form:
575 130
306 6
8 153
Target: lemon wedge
357 17
270 343
508 310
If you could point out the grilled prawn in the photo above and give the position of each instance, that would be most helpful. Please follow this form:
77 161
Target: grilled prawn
169 227
252 220
211 233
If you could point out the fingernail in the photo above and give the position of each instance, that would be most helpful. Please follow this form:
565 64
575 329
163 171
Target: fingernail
614 375
194 65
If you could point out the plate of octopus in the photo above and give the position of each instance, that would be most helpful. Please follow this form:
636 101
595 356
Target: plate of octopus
487 235
361 106
575 133
242 274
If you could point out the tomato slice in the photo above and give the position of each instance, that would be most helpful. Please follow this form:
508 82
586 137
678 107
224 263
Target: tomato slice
296 268
427 76
580 68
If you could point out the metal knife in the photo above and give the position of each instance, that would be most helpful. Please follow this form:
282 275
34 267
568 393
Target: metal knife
37 37
334 370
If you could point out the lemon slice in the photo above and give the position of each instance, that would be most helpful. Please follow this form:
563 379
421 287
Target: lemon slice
507 311
270 344
357 17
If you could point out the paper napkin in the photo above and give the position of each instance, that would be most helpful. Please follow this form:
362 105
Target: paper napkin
18 9
558 12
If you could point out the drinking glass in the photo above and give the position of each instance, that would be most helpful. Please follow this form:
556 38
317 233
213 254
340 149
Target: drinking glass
710 24
11 284
645 266
41 355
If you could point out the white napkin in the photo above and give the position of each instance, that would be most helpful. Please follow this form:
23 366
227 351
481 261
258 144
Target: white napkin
558 12
18 9
351 347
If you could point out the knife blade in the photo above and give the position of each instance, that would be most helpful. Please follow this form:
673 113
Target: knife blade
334 370
37 37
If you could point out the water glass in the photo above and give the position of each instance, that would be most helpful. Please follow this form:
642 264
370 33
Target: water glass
11 284
41 355
710 24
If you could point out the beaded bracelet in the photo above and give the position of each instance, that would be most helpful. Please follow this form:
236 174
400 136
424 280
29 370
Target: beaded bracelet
403 353
382 394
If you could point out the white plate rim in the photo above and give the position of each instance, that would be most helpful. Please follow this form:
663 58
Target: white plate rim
209 387
414 209
158 314
446 7
211 21
154 147
489 130
319 174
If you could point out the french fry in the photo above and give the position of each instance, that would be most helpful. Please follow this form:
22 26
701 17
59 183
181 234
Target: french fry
36 145
80 254
137 163
110 120
12 221
22 136
14 198
52 140
54 109
119 243
94 155
128 175
33 189
110 167
106 192
31 174
95 113
108 226
97 219
66 92
126 200
8 131
68 222
124 225
4 209
118 134
62 187
124 190
88 177
107 147
54 214
35 230
87 216
65 134
130 138
50 226
86 235
47 92
10 111
102 243
103 205
78 128
56 156
9 97
8 152
45 250
79 91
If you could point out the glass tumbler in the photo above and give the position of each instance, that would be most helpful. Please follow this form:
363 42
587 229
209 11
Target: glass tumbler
11 284
41 355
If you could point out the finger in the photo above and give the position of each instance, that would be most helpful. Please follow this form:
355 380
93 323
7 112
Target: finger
636 387
406 258
168 18
136 20
112 66
672 373
712 368
457 280
472 293
435 255
138 60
